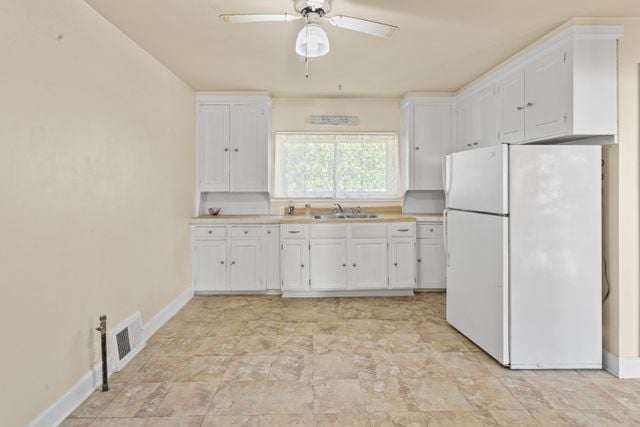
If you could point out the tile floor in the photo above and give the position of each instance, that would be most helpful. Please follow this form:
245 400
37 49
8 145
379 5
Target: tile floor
268 361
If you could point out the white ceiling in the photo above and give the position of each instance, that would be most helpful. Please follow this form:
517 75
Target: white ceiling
441 45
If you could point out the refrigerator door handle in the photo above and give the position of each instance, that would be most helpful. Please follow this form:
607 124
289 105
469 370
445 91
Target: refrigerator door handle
446 175
446 236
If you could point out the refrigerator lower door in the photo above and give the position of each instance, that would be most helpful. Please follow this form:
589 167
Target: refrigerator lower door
477 280
477 180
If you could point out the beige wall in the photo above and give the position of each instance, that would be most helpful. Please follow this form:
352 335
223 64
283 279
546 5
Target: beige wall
376 114
96 188
622 217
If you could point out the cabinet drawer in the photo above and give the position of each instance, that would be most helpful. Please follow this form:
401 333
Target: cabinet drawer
402 229
294 231
209 232
430 231
360 231
248 232
337 231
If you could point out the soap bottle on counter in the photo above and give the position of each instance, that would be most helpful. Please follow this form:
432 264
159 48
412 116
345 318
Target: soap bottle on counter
291 209
307 209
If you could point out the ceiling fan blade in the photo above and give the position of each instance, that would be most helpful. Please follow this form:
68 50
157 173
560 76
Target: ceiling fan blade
363 26
258 17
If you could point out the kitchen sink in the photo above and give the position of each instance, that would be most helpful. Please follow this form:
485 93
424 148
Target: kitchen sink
345 216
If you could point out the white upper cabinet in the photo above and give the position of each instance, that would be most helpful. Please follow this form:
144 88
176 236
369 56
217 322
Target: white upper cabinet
546 92
484 118
563 89
249 148
465 125
477 126
510 109
233 143
426 138
213 147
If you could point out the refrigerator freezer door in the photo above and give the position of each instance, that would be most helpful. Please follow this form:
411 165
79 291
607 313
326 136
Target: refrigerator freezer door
555 262
477 280
476 180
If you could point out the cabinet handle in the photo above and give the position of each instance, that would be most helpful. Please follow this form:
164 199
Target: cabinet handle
268 231
301 265
520 108
221 262
294 231
226 149
431 230
344 265
475 143
246 232
468 145
233 263
210 232
404 230
235 149
417 148
530 104
419 260
395 263
354 264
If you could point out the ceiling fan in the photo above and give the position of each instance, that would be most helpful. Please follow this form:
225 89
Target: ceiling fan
312 41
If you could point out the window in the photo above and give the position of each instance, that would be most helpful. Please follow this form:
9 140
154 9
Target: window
339 166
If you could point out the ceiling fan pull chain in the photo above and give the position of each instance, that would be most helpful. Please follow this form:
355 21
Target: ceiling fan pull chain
306 55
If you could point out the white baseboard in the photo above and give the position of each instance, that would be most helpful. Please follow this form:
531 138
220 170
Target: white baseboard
55 414
333 294
621 367
156 322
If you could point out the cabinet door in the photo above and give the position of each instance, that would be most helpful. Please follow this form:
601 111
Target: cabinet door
484 118
465 125
209 266
213 148
249 141
432 137
295 265
246 271
546 89
328 264
368 259
511 107
272 257
402 263
431 264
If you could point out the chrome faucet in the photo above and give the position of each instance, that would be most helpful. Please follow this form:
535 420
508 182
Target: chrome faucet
339 207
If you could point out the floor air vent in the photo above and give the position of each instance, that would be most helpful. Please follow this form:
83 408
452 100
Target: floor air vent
124 345
126 341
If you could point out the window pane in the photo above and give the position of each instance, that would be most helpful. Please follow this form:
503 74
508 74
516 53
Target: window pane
337 165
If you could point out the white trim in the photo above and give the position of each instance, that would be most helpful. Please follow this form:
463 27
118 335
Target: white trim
232 100
621 367
532 52
355 293
55 414
157 321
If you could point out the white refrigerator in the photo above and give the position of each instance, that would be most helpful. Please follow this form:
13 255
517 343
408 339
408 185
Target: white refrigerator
524 252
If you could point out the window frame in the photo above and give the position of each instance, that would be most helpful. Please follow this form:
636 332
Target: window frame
395 195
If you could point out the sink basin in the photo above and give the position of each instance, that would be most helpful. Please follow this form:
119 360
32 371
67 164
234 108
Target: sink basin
345 216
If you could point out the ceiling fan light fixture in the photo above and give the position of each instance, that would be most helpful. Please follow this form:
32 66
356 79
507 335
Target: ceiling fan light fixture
312 41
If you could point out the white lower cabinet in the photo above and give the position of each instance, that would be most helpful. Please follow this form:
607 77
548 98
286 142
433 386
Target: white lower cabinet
295 264
328 264
209 265
231 259
402 263
368 259
431 256
348 257
246 269
272 257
